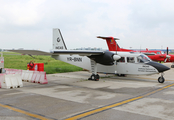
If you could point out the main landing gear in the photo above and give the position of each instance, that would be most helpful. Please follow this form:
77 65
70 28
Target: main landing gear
94 77
161 78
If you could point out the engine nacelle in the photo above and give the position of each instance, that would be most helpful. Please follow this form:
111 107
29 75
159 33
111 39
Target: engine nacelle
107 58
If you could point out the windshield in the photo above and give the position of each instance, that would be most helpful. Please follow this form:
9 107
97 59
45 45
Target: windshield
143 58
162 52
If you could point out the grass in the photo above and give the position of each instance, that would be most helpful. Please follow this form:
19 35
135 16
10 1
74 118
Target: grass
17 61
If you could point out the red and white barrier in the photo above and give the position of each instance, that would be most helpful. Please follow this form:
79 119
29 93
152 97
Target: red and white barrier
34 76
10 81
1 79
27 75
39 77
13 78
13 71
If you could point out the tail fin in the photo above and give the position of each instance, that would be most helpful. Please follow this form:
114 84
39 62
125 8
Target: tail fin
58 42
112 45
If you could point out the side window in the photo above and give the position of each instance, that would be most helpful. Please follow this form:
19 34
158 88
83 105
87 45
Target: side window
122 59
130 60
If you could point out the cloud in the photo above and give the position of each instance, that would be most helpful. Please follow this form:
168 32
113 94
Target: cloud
137 23
21 13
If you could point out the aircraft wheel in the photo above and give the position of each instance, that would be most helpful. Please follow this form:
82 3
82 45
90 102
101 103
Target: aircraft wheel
161 79
172 66
121 75
94 77
97 77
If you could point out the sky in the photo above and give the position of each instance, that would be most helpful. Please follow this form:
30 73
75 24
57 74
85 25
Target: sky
139 24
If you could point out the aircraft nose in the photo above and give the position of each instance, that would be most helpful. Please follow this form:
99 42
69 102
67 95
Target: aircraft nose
160 67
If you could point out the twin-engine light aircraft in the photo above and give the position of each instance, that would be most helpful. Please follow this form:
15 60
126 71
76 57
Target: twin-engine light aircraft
101 61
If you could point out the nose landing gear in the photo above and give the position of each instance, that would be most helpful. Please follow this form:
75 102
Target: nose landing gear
161 78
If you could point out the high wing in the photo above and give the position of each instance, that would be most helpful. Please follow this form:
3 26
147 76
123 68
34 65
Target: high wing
102 57
78 52
59 52
31 52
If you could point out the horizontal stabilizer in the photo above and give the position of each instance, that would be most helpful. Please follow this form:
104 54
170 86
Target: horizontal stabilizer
107 38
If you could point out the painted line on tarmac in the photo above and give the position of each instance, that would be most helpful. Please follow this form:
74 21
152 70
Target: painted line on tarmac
94 111
24 112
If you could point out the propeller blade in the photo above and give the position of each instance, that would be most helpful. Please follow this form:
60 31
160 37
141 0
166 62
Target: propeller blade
167 57
165 60
167 51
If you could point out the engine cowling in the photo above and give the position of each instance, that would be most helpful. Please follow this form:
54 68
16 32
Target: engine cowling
107 58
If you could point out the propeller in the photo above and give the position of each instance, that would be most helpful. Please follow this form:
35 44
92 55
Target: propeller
167 56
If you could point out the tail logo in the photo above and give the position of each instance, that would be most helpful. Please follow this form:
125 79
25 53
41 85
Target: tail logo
111 41
58 39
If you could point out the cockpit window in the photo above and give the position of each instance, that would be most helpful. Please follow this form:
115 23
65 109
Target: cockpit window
158 52
130 60
143 58
139 59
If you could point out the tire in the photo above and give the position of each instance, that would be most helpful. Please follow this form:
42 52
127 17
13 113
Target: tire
172 66
161 79
94 77
121 75
97 77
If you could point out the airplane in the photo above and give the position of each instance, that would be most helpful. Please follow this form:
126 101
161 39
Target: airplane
101 61
155 55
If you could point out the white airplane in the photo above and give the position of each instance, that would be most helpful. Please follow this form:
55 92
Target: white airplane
101 61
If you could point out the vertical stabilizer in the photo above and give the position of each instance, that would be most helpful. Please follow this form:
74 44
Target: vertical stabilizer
112 45
58 42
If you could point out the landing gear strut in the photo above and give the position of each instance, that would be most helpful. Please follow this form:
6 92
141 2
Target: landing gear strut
161 78
94 75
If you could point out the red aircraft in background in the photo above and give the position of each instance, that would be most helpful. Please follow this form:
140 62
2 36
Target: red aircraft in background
155 55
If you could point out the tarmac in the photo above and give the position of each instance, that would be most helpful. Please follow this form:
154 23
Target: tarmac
70 96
